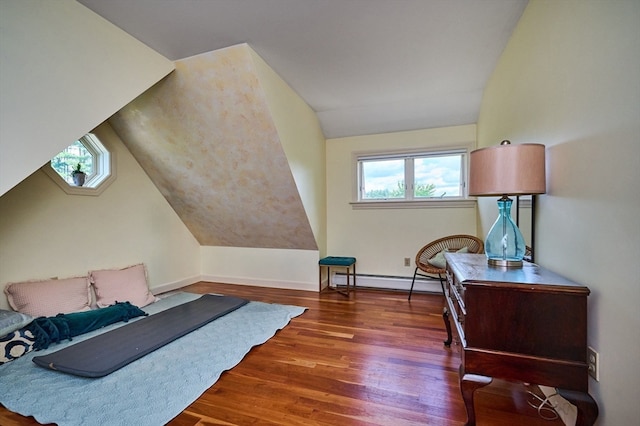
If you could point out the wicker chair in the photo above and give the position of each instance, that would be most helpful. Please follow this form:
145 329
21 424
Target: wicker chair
450 243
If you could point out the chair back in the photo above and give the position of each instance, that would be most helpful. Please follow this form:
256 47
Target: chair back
451 243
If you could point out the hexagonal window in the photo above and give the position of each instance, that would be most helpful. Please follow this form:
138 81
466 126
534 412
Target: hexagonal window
83 168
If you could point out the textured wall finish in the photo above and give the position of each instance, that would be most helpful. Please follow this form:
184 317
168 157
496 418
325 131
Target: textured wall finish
205 137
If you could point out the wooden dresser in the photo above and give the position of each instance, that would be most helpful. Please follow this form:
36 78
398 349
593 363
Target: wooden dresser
527 325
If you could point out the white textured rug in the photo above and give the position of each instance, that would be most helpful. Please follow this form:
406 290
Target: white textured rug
152 390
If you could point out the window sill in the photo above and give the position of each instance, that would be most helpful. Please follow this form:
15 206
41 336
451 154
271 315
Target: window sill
420 204
88 189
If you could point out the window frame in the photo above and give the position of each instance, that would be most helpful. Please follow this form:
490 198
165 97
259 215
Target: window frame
409 201
104 168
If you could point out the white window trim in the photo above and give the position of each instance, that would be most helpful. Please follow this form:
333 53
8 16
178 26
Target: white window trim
102 162
414 204
464 201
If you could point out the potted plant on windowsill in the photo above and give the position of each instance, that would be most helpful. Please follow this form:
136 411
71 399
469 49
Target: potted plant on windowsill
78 176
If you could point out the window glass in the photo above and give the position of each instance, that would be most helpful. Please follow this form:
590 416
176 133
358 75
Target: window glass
438 176
383 179
412 176
68 160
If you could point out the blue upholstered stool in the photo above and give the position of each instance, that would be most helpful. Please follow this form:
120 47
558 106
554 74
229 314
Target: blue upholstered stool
341 262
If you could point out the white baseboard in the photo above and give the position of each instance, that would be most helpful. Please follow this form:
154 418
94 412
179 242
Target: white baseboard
163 288
372 281
288 285
391 283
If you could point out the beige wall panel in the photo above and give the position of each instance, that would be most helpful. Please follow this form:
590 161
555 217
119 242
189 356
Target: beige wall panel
64 70
303 143
278 268
381 239
569 79
46 233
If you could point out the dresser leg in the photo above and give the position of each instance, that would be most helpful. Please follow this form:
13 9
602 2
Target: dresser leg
447 325
468 385
587 407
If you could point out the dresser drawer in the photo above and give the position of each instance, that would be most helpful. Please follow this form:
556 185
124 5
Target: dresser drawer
454 293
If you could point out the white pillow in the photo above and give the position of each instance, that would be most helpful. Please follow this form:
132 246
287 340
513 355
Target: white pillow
122 285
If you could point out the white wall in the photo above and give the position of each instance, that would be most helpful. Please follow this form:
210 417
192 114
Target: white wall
63 71
278 268
570 79
46 233
380 239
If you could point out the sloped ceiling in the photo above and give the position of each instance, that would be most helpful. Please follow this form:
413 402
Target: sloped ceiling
205 137
364 66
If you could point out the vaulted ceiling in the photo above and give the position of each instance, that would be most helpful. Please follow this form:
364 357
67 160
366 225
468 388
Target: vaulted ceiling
364 66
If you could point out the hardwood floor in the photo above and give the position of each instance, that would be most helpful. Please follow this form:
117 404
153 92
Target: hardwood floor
372 359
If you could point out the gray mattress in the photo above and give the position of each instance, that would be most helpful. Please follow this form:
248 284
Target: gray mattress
106 353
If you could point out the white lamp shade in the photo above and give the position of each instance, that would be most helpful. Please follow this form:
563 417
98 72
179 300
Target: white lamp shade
507 170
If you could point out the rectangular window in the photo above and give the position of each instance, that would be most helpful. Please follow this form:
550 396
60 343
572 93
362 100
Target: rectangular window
412 176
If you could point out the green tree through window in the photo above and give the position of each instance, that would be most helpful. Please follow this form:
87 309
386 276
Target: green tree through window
68 159
421 190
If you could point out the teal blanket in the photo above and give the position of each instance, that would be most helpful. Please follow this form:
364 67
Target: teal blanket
48 330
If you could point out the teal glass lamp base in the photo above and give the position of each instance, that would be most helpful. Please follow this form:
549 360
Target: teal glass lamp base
504 246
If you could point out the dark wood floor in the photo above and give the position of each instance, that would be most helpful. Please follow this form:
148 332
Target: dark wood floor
372 359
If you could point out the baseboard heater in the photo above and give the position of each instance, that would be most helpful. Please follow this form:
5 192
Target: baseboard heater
422 284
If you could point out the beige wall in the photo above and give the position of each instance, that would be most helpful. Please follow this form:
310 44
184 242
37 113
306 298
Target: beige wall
569 78
64 70
277 268
381 238
46 233
303 143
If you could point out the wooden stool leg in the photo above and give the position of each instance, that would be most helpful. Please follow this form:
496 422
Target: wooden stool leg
348 278
354 277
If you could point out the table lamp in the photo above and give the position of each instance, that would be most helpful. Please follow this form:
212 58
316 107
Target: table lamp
505 170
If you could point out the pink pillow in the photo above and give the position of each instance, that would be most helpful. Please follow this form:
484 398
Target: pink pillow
122 285
50 297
